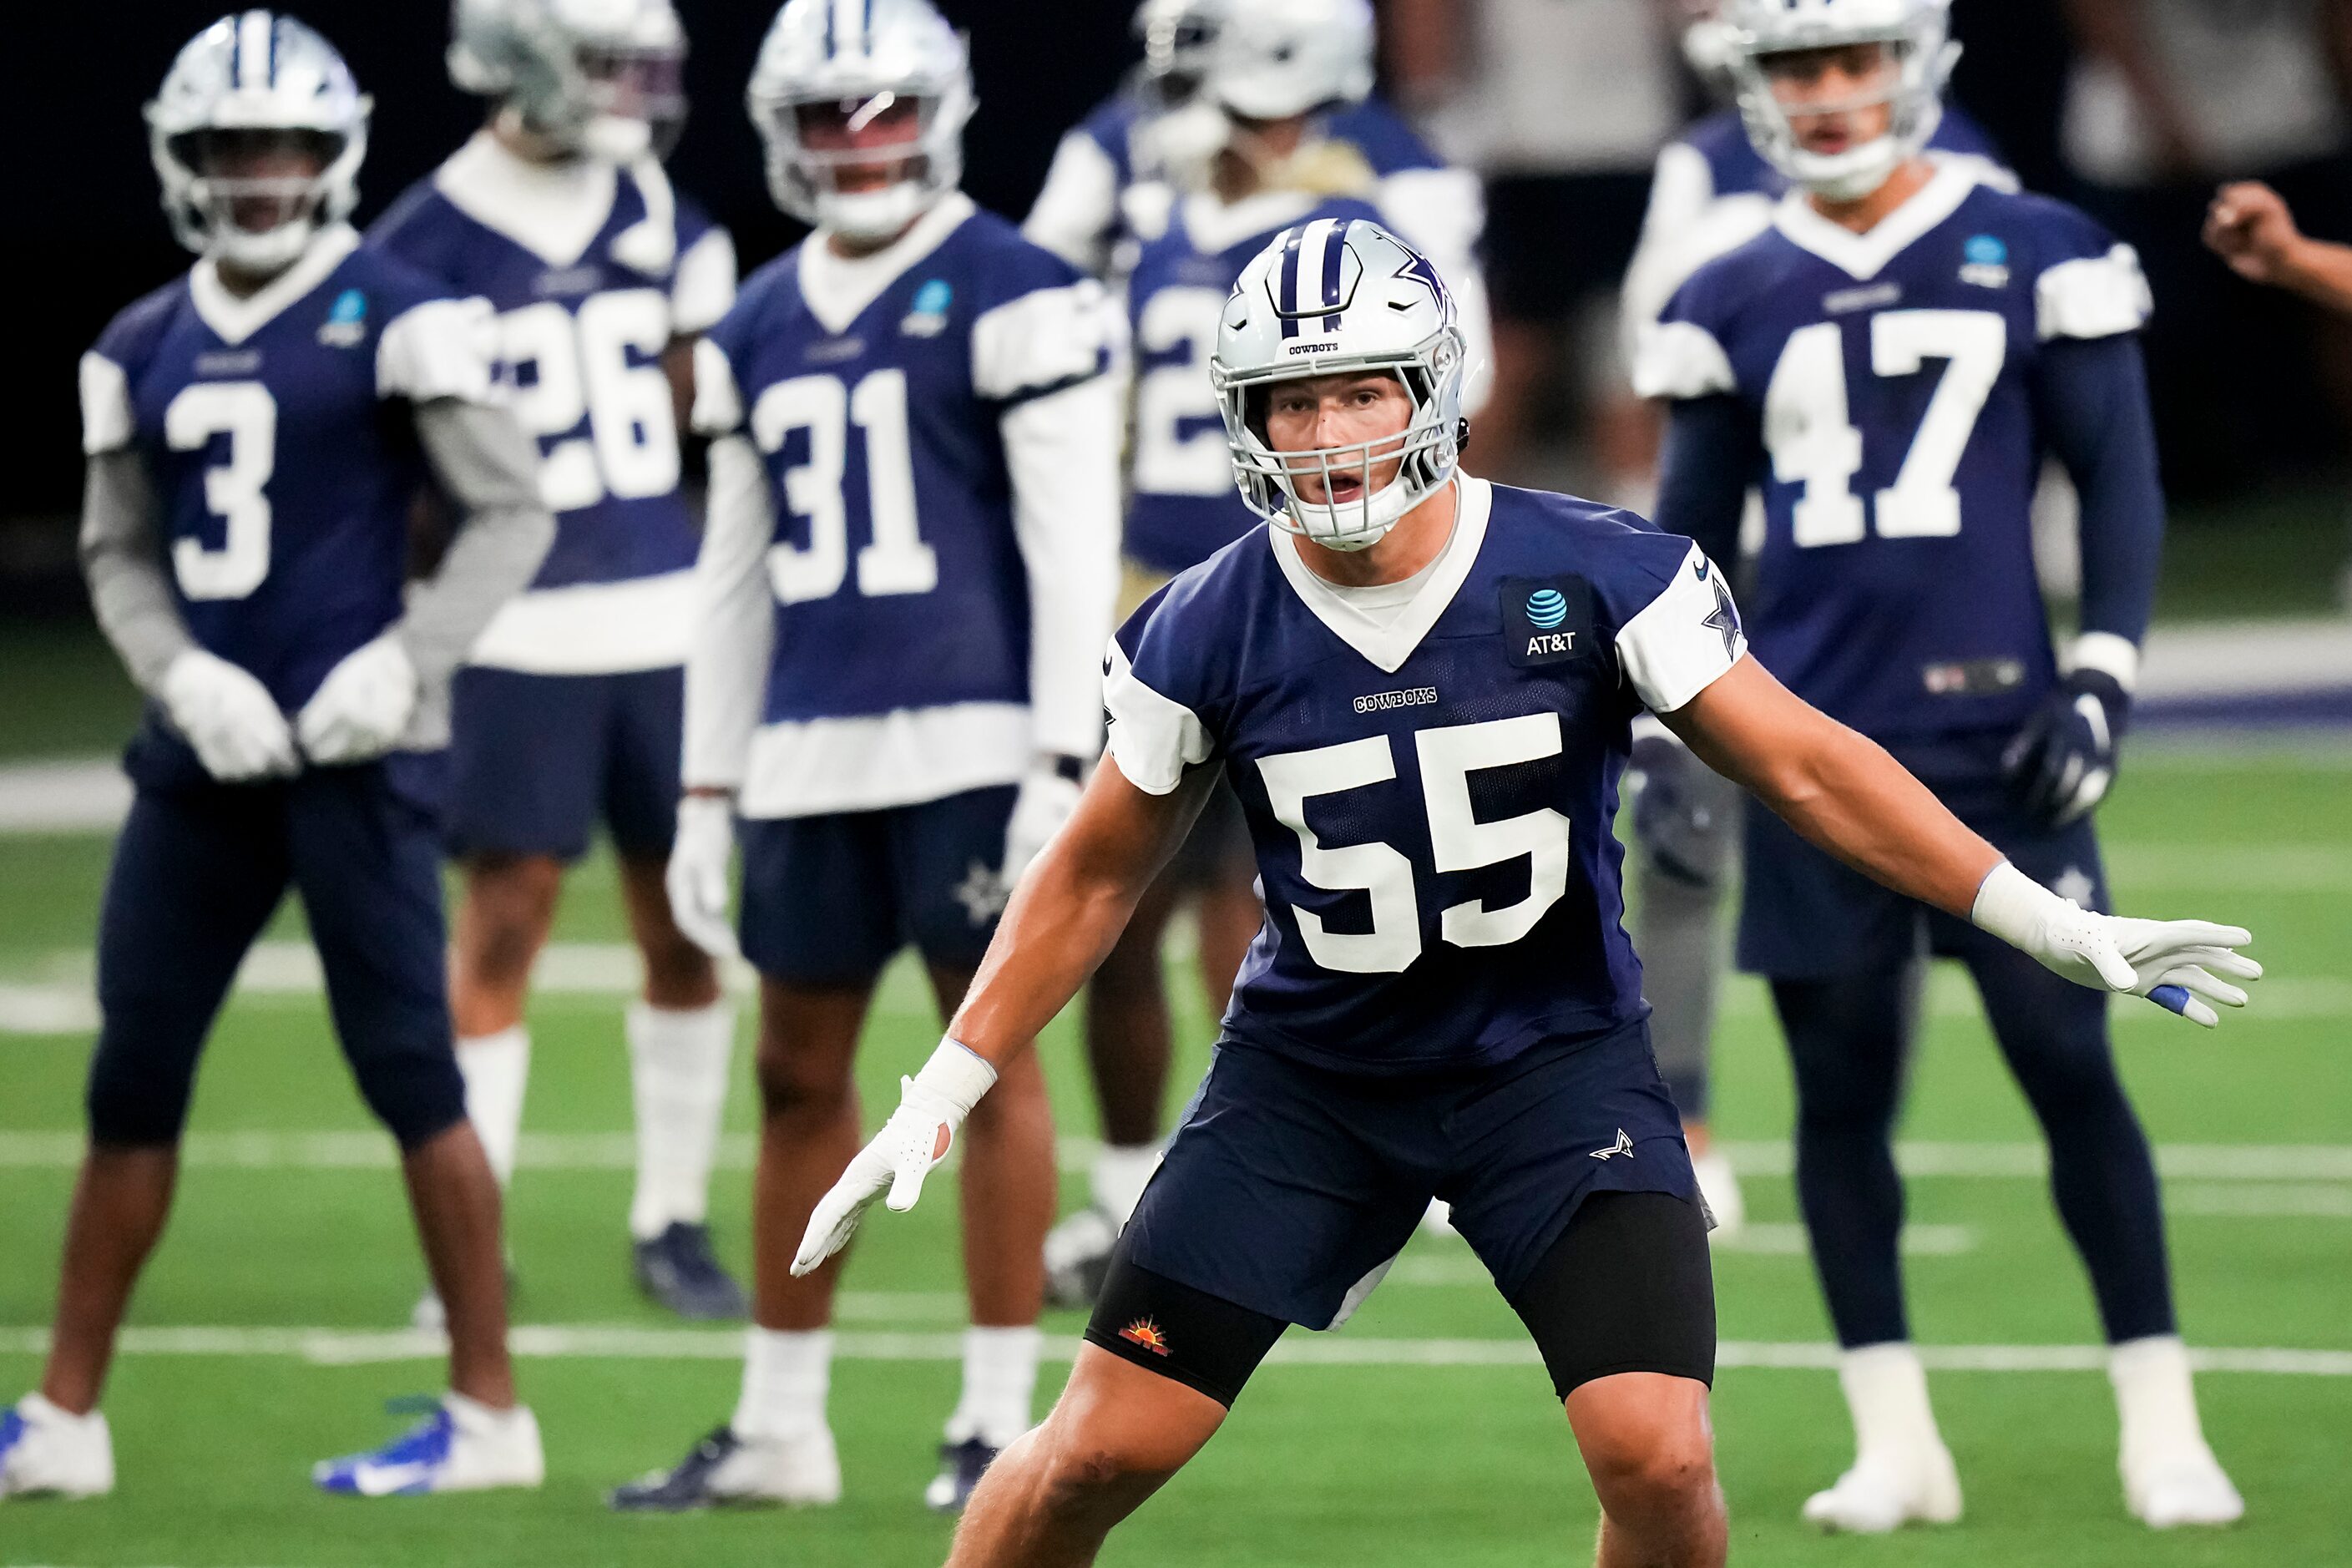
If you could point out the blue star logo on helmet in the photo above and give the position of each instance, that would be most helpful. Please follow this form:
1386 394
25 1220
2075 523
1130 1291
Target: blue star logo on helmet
928 316
346 324
1546 608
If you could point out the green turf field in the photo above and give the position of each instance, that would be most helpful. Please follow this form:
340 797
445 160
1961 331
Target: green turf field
1368 1448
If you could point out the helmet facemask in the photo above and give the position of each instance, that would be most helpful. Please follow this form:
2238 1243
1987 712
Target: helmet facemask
255 197
825 153
1368 486
1916 60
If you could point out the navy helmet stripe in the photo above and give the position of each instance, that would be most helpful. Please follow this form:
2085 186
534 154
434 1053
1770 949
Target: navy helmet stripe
1335 247
1285 301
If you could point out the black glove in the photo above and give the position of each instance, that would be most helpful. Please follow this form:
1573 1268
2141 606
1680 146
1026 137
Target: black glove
1678 825
2063 762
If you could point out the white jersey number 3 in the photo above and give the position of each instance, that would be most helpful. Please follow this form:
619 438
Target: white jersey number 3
1459 841
1811 434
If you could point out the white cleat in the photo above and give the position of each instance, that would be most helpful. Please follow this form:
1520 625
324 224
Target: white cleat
1885 1492
45 1451
727 1471
460 1446
1720 1188
2185 1488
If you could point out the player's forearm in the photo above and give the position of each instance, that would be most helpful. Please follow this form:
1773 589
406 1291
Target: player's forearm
1070 908
734 623
123 565
2090 402
490 468
1839 789
2320 271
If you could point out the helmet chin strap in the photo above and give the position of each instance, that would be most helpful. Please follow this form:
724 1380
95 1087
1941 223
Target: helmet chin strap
1850 175
1349 529
874 216
266 254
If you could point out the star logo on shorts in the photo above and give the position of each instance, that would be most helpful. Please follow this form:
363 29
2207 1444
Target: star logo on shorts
1725 618
1624 1145
2075 885
983 893
1145 1333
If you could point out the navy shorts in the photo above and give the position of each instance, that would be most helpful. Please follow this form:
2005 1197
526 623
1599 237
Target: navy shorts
1287 1185
828 901
536 761
1805 916
197 872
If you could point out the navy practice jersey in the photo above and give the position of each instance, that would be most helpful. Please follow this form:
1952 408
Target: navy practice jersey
283 481
1183 505
593 270
876 391
1887 382
1431 796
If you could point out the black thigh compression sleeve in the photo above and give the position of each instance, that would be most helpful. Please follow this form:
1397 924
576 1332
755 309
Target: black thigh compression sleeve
1627 1288
1203 1341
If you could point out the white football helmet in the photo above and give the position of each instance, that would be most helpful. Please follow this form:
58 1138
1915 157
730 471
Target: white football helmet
857 58
1326 298
1915 31
257 74
1178 39
1277 58
599 78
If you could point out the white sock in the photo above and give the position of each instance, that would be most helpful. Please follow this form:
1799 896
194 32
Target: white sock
787 1374
2154 1397
678 1068
1120 1174
1886 1390
496 1068
999 1380
473 1415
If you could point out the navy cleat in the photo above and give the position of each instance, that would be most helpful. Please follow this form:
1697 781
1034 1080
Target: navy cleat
724 1470
961 1467
676 1270
460 1446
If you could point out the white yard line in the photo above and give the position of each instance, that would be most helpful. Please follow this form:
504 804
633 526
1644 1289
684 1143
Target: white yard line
594 1342
339 1151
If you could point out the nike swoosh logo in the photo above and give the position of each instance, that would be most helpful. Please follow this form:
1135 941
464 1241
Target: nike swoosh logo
385 1481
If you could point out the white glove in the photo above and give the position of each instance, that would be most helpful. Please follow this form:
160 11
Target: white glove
2170 963
1045 803
230 718
363 708
699 858
931 1105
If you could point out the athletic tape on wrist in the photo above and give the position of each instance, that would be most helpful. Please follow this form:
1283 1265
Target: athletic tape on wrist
957 1074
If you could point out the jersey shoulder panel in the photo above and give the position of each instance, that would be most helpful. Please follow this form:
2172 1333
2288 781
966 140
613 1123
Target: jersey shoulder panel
1110 125
1685 353
1627 558
1721 138
771 286
2086 283
1958 131
422 227
1171 672
1001 263
139 326
398 283
1387 140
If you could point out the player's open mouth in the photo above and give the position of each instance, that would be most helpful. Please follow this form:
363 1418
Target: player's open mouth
1344 487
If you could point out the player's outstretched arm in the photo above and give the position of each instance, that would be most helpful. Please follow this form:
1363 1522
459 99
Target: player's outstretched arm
2249 227
1847 796
1064 917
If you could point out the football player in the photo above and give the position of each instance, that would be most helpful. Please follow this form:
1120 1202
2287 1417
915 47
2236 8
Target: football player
256 432
1272 169
1420 686
895 682
1711 193
1886 364
1116 174
567 712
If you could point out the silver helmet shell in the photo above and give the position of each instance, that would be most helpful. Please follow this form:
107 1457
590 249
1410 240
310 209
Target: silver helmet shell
868 53
1329 298
1277 59
599 78
256 72
1916 31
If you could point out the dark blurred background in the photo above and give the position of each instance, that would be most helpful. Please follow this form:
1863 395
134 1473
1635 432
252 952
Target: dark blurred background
2244 403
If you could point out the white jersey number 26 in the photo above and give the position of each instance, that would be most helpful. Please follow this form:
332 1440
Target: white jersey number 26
1810 435
1458 840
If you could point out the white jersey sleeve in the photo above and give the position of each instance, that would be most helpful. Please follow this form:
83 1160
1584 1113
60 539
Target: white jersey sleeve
441 348
1684 639
1075 209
